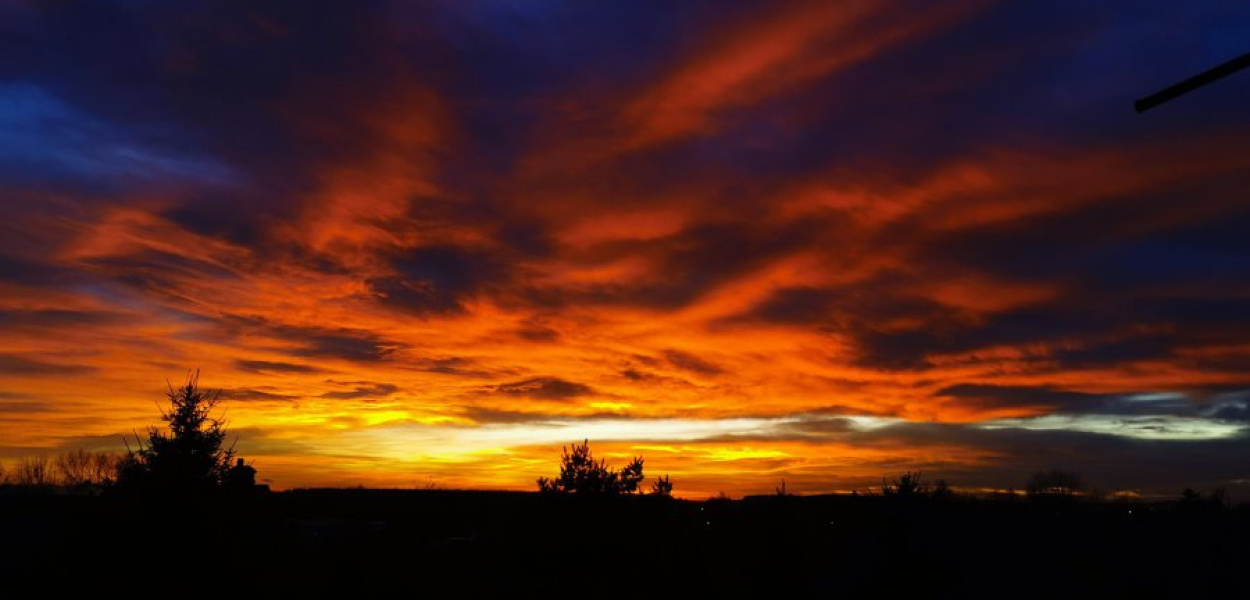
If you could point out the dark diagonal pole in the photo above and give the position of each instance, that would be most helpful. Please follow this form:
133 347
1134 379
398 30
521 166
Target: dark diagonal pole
1180 89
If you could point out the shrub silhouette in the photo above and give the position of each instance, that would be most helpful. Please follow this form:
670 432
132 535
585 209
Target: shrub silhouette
189 458
580 473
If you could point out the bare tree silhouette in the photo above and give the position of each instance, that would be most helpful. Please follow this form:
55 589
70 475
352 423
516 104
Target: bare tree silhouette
79 468
38 471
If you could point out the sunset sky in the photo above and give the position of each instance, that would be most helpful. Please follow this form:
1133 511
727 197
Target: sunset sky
428 243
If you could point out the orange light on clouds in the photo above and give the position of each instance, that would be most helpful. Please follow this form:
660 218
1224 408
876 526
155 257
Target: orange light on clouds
824 242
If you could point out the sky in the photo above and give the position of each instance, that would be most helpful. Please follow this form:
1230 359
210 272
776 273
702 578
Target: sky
426 244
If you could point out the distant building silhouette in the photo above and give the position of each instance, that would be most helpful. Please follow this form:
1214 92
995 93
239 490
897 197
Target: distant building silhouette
241 476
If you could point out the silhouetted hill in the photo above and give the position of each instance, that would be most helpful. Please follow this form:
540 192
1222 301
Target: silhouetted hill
379 543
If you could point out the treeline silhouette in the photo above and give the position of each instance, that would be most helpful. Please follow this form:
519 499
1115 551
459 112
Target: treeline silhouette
187 457
78 470
180 512
581 474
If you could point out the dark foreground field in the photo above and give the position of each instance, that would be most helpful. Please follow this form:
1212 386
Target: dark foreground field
381 543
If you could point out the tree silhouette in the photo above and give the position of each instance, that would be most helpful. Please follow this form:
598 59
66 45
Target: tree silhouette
82 469
662 487
580 473
908 485
1194 501
629 477
1054 483
37 471
942 490
189 457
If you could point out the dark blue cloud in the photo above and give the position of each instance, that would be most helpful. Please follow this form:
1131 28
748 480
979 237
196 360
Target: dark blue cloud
13 364
544 388
314 342
437 279
691 362
267 366
368 390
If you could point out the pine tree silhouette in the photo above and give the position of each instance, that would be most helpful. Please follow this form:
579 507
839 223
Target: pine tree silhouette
580 473
189 458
